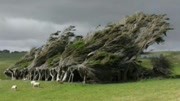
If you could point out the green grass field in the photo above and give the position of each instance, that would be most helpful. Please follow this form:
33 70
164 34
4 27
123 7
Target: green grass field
150 90
145 90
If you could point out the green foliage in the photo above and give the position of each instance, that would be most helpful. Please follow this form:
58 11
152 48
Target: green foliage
103 59
53 61
78 45
77 48
54 48
7 60
22 64
161 65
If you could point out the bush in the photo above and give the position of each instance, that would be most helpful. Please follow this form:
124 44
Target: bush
161 66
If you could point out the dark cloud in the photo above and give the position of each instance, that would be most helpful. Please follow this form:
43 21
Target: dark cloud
27 33
35 19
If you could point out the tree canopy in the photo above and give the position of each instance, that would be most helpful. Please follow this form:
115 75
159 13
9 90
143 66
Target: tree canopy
107 55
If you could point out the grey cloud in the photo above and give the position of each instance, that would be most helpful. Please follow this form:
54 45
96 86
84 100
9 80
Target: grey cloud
92 11
35 19
28 33
20 28
21 45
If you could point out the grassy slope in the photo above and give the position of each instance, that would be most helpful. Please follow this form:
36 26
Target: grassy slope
7 60
150 90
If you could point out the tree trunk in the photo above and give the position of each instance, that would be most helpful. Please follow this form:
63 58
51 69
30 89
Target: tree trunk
12 76
71 77
52 76
84 79
40 75
65 77
58 78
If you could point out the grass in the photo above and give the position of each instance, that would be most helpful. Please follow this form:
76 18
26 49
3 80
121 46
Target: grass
147 90
7 60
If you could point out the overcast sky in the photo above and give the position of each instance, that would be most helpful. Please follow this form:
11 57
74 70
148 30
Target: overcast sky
28 23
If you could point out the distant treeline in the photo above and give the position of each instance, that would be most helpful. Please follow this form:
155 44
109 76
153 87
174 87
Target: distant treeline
8 51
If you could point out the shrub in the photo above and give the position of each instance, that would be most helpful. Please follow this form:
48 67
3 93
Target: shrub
161 66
